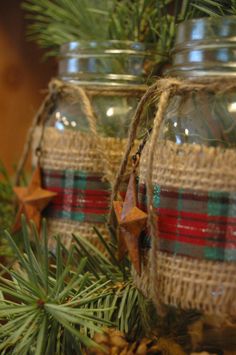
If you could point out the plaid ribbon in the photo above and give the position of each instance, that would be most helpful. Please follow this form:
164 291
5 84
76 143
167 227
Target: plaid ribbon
81 196
194 223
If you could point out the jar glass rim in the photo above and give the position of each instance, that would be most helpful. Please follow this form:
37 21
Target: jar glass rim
132 46
204 30
208 19
205 46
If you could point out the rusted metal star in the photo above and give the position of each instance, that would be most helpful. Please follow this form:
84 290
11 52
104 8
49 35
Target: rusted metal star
32 200
132 222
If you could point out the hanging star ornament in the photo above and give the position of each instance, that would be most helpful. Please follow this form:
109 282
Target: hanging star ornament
32 200
131 221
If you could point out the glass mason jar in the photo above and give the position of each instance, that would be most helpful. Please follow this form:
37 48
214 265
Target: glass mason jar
111 65
204 48
193 249
84 137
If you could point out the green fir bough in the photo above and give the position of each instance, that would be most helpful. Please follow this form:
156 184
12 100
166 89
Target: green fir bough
54 303
54 22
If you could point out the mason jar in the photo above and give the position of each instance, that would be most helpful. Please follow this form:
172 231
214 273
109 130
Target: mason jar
83 139
192 255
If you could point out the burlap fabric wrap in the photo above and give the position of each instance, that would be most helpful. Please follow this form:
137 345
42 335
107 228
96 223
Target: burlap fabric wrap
183 281
77 151
70 151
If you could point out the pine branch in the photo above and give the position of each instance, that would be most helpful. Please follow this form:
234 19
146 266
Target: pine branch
54 303
59 21
39 295
126 302
55 22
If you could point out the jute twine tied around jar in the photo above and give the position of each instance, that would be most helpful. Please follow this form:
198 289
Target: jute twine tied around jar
179 280
76 151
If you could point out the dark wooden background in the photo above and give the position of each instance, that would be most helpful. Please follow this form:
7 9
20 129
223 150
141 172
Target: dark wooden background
23 78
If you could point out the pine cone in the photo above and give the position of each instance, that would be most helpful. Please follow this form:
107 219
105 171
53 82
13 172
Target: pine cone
115 343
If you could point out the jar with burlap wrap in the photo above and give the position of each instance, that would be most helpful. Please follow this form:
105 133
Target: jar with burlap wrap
187 180
83 130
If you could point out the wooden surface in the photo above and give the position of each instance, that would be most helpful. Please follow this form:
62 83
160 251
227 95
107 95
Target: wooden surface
23 78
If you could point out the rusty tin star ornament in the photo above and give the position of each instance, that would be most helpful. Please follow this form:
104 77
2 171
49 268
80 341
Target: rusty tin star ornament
32 200
132 222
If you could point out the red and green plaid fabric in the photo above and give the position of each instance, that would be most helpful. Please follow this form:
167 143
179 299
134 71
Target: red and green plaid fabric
194 223
81 196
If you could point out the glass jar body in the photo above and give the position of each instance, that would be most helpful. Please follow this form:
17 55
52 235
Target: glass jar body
113 114
201 118
85 135
194 196
204 50
192 254
114 73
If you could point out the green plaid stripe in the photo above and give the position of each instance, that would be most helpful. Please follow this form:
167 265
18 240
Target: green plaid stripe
81 196
195 223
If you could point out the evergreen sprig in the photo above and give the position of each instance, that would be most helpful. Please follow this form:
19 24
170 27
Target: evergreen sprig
59 21
49 307
126 302
53 303
54 22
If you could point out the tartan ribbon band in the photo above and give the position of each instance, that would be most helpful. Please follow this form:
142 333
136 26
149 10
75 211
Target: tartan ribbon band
194 223
81 196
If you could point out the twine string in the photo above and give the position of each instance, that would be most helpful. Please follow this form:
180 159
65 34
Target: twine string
163 103
72 92
132 136
47 106
161 93
174 87
80 93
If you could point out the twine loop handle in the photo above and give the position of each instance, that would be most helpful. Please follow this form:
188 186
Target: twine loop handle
74 93
160 93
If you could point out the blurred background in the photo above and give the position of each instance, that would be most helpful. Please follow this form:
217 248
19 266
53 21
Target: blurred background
24 75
